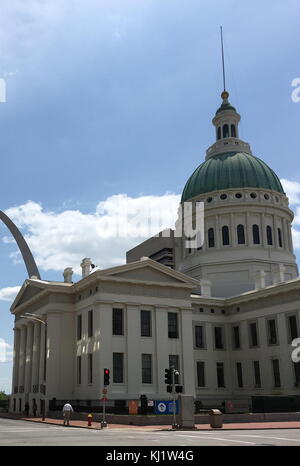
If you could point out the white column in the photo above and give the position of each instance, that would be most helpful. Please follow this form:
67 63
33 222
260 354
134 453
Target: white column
134 371
22 356
263 230
233 241
276 242
42 356
28 360
217 232
36 356
188 372
53 379
285 235
249 240
290 235
162 356
17 335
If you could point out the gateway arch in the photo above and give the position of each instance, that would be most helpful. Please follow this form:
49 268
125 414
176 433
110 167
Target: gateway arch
29 261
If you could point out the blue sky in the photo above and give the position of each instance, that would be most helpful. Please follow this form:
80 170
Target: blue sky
115 97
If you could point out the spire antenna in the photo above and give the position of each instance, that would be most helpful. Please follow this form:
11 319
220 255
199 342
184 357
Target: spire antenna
223 63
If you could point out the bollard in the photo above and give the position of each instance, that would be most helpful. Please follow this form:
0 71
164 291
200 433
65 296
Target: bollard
90 418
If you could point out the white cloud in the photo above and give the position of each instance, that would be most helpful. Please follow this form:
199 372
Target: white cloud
9 294
6 351
59 240
292 189
62 239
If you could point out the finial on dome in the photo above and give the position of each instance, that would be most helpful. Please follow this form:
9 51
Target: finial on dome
225 95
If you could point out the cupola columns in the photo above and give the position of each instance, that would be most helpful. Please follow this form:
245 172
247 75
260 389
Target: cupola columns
226 122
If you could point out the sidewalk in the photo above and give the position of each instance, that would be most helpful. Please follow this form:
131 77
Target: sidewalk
96 425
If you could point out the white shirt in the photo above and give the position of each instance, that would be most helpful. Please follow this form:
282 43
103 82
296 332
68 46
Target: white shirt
67 407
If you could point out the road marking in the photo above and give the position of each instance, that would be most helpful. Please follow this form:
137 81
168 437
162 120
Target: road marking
267 437
217 438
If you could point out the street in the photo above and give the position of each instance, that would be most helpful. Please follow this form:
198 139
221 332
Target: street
17 433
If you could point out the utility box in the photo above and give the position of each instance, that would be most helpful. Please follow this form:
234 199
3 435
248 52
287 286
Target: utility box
216 418
186 416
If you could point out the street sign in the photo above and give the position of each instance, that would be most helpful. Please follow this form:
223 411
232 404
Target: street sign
165 407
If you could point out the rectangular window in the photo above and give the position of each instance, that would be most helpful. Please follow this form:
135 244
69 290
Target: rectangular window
276 372
293 327
174 363
90 324
146 368
146 323
200 374
272 334
118 368
253 334
239 373
236 337
172 325
90 368
257 380
297 373
219 343
220 375
79 370
199 336
79 327
118 322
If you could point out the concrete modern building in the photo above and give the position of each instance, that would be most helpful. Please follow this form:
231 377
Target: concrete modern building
223 314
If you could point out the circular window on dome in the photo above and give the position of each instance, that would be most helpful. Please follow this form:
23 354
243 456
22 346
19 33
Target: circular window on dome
253 195
223 197
238 195
266 196
209 199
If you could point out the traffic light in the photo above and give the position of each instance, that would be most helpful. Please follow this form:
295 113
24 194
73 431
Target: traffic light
179 388
168 376
106 376
169 388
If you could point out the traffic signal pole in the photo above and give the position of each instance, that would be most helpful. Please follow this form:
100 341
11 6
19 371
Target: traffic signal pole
103 422
106 382
174 399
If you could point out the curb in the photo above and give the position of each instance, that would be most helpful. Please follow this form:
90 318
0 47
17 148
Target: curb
197 429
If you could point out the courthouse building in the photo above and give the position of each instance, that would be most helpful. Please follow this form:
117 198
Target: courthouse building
224 313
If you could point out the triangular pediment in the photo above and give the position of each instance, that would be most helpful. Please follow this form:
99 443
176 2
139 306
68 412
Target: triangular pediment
149 270
27 292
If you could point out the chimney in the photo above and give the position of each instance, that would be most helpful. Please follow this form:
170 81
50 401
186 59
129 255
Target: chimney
86 266
260 279
68 274
278 274
205 288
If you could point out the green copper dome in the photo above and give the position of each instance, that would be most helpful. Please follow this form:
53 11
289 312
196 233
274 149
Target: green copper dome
231 170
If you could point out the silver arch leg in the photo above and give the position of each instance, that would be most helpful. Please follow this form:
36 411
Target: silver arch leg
29 261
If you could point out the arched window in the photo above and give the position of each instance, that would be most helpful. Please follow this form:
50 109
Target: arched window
225 131
255 233
279 237
225 235
219 132
211 238
241 234
233 131
269 236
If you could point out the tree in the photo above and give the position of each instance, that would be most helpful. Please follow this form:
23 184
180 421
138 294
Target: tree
3 396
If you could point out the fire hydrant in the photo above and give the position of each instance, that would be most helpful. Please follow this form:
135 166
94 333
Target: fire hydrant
90 418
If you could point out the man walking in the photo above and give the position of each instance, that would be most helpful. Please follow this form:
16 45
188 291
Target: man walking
67 409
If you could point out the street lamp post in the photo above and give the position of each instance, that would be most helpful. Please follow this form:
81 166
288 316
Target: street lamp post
29 316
